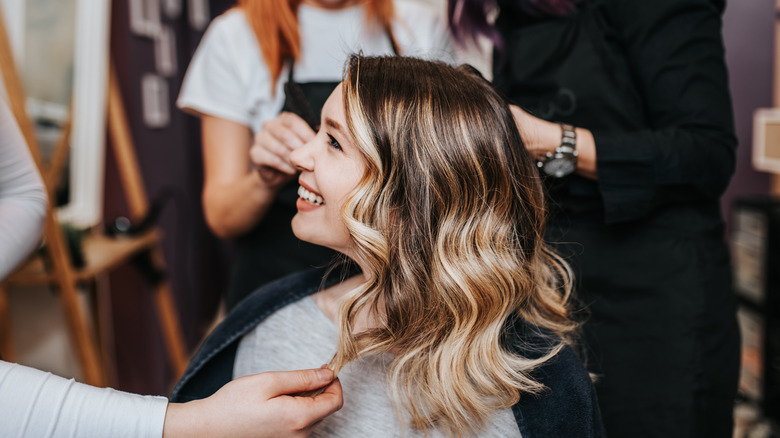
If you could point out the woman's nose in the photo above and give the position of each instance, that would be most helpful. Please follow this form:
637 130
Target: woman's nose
301 158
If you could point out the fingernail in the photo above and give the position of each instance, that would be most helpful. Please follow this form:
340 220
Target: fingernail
325 374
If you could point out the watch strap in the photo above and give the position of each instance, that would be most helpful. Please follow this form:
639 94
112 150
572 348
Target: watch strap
563 160
568 136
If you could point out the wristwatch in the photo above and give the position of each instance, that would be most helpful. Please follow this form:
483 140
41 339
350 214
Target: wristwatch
563 161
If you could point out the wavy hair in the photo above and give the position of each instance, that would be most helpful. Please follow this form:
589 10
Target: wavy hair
448 221
275 25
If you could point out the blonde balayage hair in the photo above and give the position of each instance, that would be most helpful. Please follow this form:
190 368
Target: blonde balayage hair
448 220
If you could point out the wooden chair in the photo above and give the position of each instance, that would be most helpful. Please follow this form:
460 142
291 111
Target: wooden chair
102 253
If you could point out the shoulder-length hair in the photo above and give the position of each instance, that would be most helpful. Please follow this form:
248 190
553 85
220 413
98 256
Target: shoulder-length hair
275 25
448 220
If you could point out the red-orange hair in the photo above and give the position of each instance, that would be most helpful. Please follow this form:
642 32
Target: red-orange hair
275 24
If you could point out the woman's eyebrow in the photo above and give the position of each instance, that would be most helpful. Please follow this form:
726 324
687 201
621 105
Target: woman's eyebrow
334 124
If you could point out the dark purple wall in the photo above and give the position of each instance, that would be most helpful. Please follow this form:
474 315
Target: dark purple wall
170 160
748 31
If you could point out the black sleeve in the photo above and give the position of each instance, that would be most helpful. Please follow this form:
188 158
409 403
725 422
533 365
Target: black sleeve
675 53
568 407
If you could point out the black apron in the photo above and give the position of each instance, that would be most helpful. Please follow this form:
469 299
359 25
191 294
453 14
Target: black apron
659 330
271 250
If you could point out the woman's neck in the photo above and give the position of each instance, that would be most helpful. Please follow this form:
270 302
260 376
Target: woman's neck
330 298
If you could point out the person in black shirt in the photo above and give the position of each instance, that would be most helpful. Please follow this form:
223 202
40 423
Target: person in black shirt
639 89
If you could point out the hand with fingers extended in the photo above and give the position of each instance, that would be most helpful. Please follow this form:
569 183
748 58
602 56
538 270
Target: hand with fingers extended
270 153
258 406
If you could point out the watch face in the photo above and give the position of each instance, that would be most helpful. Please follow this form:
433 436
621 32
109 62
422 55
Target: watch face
559 167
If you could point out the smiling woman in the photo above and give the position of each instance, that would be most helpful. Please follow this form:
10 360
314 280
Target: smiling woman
453 314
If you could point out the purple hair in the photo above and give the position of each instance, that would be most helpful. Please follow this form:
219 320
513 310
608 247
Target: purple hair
468 19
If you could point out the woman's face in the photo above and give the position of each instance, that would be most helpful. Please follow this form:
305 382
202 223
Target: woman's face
331 166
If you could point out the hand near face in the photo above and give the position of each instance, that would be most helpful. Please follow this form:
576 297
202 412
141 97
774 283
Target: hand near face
270 153
255 406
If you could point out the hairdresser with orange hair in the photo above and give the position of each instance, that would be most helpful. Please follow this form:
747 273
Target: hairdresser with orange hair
258 81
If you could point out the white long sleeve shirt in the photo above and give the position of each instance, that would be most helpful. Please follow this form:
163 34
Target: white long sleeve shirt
22 196
35 403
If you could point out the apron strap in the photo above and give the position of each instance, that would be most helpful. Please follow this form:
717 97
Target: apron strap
296 99
393 42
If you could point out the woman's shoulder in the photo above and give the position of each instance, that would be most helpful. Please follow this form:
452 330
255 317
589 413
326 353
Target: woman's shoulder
230 34
231 20
230 27
567 406
534 342
227 76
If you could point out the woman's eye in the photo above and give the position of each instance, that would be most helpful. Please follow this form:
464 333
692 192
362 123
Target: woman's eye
333 143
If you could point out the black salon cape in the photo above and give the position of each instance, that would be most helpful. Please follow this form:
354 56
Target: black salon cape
648 78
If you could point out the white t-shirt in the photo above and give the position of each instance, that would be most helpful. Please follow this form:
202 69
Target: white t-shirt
35 403
22 196
228 78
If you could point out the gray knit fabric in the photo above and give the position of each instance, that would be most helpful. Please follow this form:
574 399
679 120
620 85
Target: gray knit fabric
301 336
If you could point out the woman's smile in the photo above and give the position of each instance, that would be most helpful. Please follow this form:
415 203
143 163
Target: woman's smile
308 199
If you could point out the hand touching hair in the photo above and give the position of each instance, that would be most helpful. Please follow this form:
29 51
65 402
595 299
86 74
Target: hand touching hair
449 220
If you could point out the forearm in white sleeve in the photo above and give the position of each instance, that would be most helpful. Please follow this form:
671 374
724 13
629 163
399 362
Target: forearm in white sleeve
35 403
22 196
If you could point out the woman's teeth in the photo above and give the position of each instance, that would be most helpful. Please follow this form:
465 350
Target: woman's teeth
310 197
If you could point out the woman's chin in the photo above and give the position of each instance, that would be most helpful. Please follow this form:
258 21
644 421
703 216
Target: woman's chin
296 227
313 229
304 231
